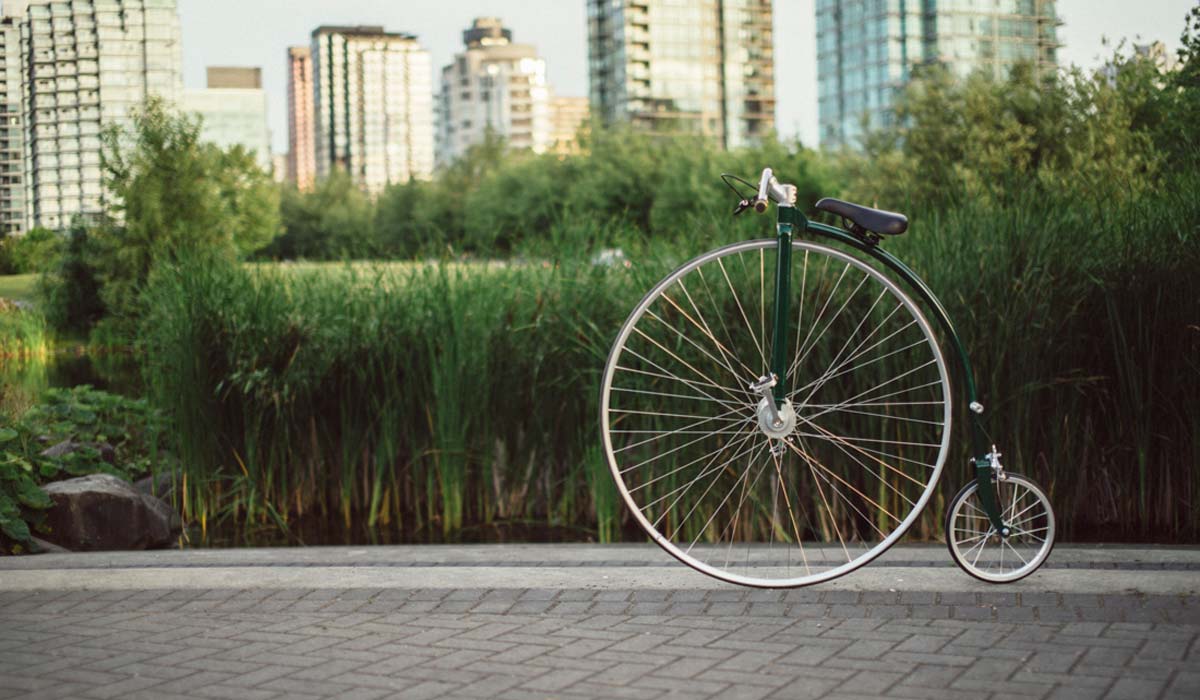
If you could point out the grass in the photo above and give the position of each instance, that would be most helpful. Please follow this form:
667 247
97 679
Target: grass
18 287
430 398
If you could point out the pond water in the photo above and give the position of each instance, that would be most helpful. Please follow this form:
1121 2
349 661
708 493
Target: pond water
23 380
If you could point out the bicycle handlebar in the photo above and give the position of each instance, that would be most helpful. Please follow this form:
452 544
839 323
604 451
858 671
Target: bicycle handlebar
770 189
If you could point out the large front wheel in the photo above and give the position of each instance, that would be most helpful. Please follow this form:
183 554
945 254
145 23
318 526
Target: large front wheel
712 480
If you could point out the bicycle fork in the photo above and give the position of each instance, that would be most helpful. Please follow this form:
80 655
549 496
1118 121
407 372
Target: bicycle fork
776 415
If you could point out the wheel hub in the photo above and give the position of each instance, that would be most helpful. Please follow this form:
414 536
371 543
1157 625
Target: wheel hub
772 426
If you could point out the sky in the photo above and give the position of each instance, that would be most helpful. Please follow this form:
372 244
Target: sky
258 32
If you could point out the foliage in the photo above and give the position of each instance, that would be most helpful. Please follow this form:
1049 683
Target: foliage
334 220
986 139
32 252
433 396
82 415
1105 136
170 193
627 185
23 331
70 292
19 495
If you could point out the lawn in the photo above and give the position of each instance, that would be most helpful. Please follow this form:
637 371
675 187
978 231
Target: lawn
17 286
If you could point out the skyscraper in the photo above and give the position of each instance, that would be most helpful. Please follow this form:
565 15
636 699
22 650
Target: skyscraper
693 66
12 167
86 63
494 85
373 103
301 163
233 109
866 50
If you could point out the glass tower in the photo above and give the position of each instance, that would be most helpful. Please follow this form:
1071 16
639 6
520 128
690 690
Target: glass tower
692 66
233 109
866 50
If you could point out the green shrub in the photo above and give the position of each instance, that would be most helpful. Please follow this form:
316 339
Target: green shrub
32 252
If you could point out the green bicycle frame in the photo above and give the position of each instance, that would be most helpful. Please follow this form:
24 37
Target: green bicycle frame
792 220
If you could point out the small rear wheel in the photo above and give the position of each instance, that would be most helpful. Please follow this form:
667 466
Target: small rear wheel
981 551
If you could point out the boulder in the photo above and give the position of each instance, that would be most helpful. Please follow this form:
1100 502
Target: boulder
101 512
66 447
162 484
41 546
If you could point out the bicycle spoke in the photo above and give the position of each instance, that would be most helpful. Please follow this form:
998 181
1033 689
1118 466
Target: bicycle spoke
721 505
705 471
739 379
794 366
712 482
684 362
712 457
684 430
689 382
842 444
737 300
703 325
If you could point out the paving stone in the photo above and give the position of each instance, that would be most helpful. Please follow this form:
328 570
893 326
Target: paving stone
576 643
1135 689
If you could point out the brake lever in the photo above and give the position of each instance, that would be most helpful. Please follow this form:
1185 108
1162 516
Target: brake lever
742 206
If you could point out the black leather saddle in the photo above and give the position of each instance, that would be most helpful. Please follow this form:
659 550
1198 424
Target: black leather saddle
879 221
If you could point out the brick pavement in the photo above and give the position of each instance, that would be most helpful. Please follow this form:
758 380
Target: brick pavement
516 643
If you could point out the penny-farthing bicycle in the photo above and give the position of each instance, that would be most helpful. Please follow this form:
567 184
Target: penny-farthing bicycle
776 413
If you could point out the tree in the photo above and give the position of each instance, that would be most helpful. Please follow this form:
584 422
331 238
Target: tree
35 251
334 220
168 193
70 292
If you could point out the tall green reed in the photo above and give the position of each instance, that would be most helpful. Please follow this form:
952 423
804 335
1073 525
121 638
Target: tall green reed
433 397
23 332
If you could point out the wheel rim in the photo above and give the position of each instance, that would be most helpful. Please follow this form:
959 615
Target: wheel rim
683 439
979 550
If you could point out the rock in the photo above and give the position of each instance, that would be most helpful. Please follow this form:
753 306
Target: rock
43 547
101 512
163 510
66 447
162 484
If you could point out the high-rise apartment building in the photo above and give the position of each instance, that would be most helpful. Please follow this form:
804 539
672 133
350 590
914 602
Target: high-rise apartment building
233 111
497 86
373 104
12 166
86 63
693 66
866 50
301 156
